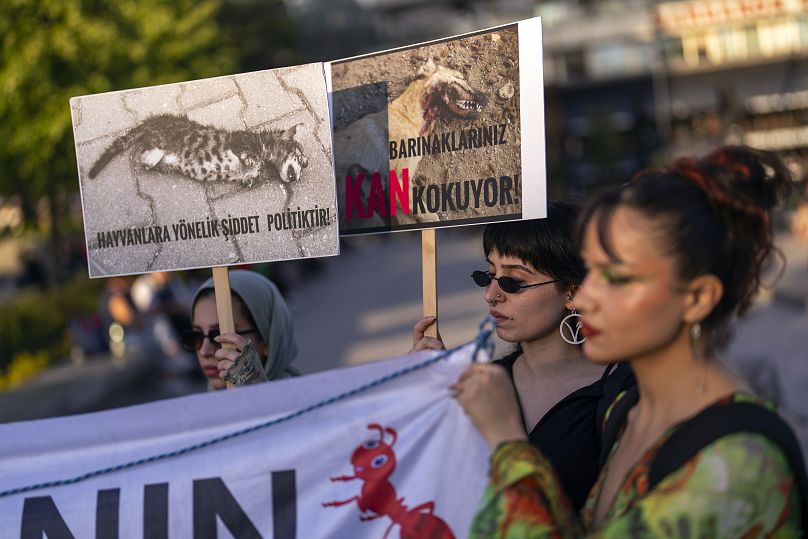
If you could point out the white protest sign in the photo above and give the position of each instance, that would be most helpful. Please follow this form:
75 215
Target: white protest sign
444 133
399 455
213 172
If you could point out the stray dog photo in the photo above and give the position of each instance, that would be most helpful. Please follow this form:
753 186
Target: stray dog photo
229 170
429 134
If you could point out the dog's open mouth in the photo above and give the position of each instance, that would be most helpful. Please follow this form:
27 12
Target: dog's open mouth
469 105
464 103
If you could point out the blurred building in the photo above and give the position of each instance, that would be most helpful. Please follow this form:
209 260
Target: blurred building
599 88
735 71
628 83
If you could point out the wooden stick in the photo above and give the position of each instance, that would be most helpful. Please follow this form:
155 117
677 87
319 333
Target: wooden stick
429 258
224 305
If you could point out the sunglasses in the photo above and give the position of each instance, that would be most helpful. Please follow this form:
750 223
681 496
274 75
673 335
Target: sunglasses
509 285
192 339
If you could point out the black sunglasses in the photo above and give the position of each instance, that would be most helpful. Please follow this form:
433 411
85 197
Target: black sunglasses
192 339
508 285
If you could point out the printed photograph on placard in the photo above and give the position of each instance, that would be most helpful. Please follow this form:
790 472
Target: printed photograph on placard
432 135
230 170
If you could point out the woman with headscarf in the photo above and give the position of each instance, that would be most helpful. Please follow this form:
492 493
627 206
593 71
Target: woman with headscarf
263 338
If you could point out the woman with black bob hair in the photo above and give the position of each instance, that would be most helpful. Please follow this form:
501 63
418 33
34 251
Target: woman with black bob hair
533 273
672 256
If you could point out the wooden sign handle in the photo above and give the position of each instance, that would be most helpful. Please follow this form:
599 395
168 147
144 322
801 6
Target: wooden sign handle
429 258
224 305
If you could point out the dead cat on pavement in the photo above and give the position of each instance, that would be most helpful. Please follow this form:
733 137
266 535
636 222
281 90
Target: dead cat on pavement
175 144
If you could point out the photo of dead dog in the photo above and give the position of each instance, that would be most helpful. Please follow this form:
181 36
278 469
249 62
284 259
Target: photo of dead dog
443 116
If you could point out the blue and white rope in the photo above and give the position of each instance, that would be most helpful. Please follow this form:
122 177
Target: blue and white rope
482 341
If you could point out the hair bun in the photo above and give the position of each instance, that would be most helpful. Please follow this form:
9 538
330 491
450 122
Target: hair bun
743 178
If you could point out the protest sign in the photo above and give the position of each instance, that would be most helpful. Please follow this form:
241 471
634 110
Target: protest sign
214 172
293 458
443 133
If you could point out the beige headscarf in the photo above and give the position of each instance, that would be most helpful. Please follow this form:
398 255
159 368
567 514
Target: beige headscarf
271 315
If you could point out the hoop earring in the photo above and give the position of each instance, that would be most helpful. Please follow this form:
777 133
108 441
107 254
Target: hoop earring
568 333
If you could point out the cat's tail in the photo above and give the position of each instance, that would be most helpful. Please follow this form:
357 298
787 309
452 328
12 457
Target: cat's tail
119 145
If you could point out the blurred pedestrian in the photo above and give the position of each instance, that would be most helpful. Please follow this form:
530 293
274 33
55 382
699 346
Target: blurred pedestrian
264 333
799 223
672 257
162 305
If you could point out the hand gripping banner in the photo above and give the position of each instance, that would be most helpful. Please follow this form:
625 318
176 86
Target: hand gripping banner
379 450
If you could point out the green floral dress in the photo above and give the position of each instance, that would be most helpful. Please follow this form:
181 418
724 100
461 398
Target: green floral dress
740 486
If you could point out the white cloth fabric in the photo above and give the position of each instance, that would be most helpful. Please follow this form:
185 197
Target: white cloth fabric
271 482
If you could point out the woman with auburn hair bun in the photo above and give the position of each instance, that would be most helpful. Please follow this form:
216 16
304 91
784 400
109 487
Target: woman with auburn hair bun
672 257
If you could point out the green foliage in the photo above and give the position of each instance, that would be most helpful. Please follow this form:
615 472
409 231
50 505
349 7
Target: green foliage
56 49
22 367
35 323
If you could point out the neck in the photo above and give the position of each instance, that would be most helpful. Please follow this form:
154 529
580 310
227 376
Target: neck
550 353
407 112
675 384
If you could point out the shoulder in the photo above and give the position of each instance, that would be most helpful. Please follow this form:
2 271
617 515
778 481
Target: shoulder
744 448
741 461
746 473
748 461
507 362
740 485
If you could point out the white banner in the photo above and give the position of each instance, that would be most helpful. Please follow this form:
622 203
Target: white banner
292 458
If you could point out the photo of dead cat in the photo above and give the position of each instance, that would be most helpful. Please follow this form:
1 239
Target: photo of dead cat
174 144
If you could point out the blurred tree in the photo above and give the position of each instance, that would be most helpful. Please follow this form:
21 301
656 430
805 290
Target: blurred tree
55 49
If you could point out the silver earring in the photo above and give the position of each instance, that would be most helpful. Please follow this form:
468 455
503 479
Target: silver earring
695 337
570 328
499 295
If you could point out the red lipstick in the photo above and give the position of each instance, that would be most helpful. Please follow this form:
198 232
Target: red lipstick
588 330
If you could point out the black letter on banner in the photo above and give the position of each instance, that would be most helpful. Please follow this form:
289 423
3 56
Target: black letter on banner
39 515
212 498
155 511
106 513
284 505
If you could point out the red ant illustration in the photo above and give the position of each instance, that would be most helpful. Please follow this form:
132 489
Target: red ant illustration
373 462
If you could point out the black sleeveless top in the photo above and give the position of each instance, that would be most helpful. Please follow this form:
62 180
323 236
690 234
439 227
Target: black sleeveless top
569 433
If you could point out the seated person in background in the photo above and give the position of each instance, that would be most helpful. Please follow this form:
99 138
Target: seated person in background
264 333
533 273
673 256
